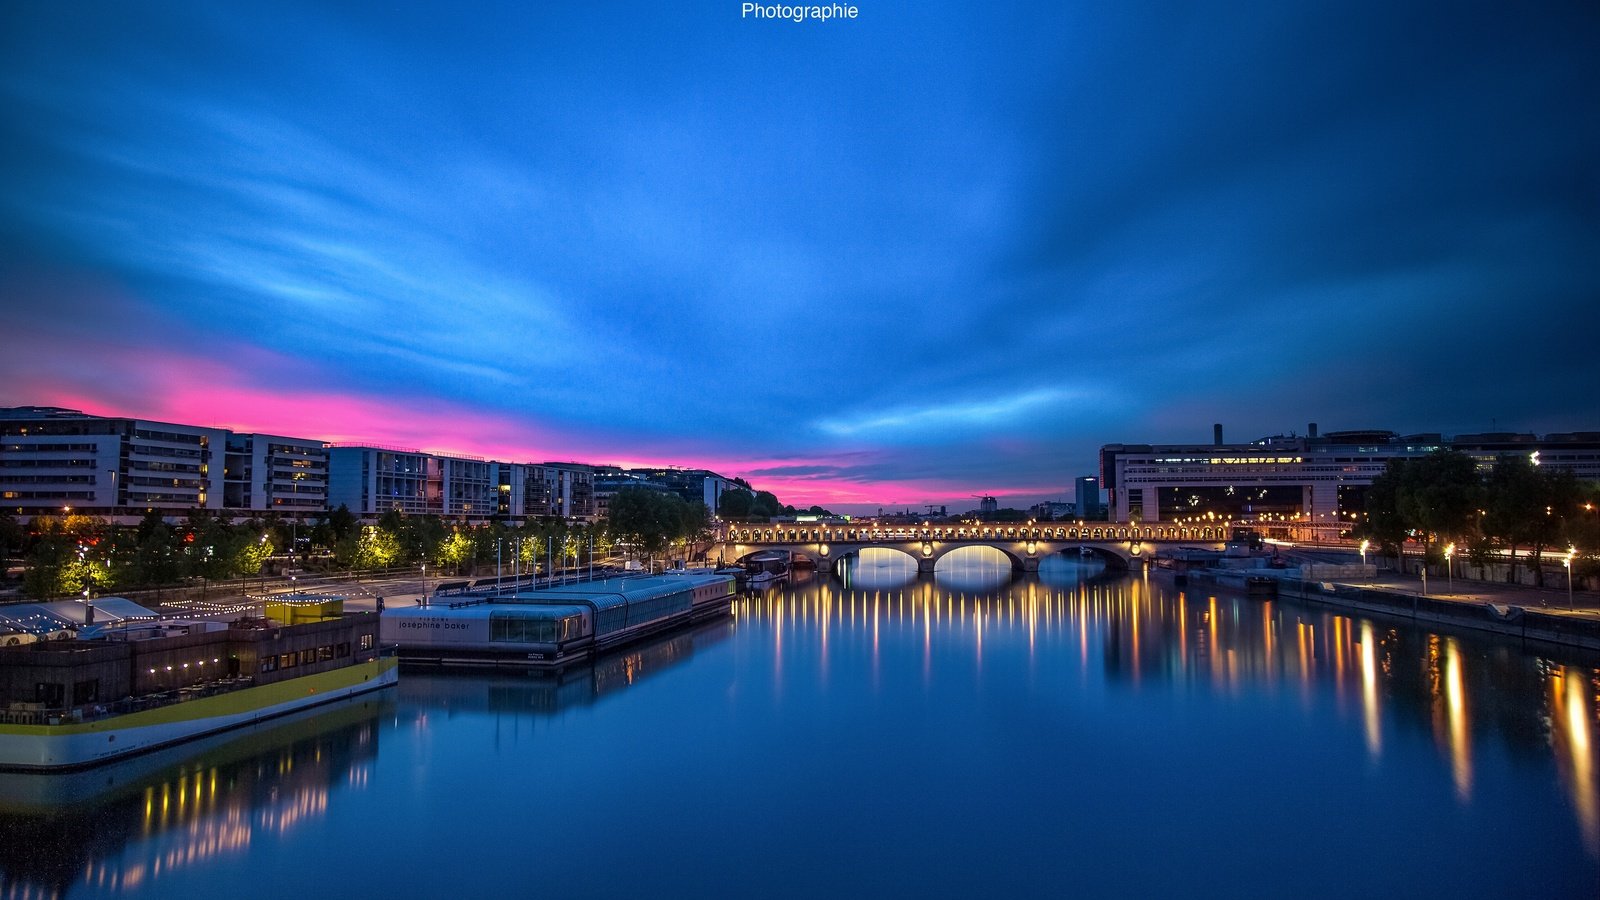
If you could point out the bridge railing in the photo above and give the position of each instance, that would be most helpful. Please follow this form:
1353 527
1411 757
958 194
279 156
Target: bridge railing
1065 532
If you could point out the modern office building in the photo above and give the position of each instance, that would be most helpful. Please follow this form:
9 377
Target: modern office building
693 485
571 490
1315 479
545 490
371 480
1088 495
269 472
54 459
609 480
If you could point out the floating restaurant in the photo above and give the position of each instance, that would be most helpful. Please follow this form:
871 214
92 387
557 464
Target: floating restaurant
76 702
554 625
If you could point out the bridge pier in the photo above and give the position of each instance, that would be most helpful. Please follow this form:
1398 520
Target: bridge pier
1030 565
925 565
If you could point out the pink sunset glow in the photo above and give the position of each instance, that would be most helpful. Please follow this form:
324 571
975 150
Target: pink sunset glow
175 387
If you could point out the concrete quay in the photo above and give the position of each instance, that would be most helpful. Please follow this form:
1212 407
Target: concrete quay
1530 614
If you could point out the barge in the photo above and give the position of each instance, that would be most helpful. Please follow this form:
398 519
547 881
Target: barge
69 704
553 626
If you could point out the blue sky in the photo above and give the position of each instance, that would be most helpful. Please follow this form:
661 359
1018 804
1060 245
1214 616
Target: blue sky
930 252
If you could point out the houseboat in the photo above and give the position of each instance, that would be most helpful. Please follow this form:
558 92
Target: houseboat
765 567
554 625
73 703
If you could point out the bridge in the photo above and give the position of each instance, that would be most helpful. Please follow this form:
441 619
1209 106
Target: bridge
1118 544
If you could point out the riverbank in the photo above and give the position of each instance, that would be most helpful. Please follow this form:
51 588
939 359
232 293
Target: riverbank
1524 617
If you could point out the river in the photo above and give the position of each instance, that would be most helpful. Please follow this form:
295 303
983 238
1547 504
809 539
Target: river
966 735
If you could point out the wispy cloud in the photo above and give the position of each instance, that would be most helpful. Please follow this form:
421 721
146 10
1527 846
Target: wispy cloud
949 420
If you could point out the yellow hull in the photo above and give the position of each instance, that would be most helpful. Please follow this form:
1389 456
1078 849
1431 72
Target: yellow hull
76 744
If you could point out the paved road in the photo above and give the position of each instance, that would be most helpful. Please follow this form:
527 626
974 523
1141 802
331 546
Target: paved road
1553 598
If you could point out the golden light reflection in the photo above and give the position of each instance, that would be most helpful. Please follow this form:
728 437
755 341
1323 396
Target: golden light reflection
1369 691
1456 713
1135 634
1573 706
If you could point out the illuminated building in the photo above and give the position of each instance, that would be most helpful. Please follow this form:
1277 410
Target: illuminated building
1315 481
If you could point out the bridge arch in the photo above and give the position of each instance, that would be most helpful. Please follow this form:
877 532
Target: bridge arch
945 550
832 560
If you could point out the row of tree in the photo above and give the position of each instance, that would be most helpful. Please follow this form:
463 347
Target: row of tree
742 502
67 555
1444 499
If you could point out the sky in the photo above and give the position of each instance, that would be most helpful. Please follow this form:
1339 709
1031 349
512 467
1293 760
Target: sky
934 251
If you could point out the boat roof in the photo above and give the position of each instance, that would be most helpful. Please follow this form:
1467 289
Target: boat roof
57 614
471 610
601 593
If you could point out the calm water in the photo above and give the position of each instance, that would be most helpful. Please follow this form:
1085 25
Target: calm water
875 734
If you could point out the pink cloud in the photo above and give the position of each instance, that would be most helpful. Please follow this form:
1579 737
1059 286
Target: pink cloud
106 378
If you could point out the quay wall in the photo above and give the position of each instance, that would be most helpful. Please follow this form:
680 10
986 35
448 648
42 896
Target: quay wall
1512 621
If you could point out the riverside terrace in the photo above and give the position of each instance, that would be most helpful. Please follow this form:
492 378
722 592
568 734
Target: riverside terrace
1118 544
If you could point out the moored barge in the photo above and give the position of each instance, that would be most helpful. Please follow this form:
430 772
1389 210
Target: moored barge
554 625
69 704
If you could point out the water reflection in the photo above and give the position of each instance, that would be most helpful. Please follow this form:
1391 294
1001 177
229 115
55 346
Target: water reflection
973 569
885 727
426 696
877 567
128 825
1132 634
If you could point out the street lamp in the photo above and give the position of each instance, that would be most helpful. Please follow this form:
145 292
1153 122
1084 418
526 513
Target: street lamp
1448 573
1571 552
1364 545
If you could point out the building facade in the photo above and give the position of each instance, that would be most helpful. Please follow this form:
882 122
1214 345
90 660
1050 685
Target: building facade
371 480
1087 488
1315 481
264 472
55 460
545 490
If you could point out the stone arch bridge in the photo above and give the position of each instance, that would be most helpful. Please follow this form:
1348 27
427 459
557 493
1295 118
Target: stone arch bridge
1120 545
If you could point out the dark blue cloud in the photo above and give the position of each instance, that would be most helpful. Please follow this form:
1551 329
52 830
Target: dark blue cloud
955 245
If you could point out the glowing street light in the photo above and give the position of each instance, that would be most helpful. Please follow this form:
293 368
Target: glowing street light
1364 545
1448 573
1571 552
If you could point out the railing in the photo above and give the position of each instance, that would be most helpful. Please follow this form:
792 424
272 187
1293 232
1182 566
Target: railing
92 712
1074 533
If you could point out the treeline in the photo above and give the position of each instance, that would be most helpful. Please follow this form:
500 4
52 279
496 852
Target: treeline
64 556
744 503
648 522
1443 499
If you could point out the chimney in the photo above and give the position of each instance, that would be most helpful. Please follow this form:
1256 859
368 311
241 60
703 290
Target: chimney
1216 434
1311 430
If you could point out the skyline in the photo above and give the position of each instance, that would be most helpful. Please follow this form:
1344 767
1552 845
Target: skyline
905 258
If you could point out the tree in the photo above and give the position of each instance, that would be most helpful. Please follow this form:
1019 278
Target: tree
250 556
736 503
1384 524
155 557
10 539
455 550
1558 496
1432 498
1439 496
1511 505
342 522
766 504
377 548
648 519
